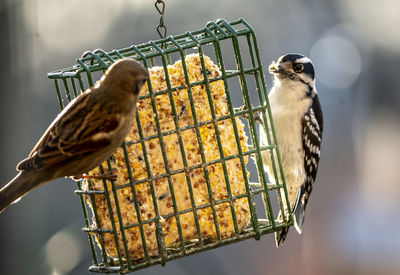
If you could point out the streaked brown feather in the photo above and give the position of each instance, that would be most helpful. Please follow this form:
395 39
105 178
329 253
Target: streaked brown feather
69 136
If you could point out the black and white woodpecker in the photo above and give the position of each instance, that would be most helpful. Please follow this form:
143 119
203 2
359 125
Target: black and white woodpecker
298 121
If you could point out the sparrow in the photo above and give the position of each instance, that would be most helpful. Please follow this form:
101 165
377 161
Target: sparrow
88 130
298 120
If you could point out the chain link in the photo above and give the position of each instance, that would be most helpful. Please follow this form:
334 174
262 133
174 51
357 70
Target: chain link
161 28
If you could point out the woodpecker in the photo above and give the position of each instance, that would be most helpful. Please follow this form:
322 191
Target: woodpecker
298 121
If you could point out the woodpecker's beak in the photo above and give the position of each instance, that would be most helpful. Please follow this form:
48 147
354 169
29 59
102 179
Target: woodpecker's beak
274 68
279 70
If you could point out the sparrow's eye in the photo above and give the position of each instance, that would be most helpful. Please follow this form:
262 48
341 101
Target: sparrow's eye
139 85
298 67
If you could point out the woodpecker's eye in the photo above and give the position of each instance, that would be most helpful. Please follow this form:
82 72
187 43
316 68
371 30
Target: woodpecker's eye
298 67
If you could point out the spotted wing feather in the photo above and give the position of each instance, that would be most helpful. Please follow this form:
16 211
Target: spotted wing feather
312 135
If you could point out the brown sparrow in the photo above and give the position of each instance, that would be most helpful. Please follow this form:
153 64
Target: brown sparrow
84 134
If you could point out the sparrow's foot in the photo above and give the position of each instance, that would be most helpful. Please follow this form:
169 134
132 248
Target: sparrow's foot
110 175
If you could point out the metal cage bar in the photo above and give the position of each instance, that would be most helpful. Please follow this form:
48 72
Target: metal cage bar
185 163
159 234
214 35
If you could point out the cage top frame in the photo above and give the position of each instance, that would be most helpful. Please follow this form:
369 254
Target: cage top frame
213 33
98 59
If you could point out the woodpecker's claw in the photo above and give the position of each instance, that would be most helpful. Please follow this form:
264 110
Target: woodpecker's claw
256 115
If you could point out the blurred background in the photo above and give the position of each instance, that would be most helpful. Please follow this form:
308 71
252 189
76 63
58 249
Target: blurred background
352 224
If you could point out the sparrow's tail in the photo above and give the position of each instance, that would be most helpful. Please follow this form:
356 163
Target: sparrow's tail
16 189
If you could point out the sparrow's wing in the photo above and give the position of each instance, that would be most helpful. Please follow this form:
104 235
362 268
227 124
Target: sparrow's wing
75 132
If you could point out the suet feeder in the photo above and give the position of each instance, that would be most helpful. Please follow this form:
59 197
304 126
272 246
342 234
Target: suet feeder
229 209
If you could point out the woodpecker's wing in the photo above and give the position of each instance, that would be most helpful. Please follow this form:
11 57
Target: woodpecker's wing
312 136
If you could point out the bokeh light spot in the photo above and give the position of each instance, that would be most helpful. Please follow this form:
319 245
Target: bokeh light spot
63 252
337 61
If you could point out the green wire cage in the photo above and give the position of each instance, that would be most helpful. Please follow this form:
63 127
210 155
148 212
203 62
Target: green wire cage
233 47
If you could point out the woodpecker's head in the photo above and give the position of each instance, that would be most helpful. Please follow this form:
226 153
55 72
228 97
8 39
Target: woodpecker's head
294 67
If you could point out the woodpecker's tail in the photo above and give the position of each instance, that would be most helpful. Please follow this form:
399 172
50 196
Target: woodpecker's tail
298 219
16 189
280 236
